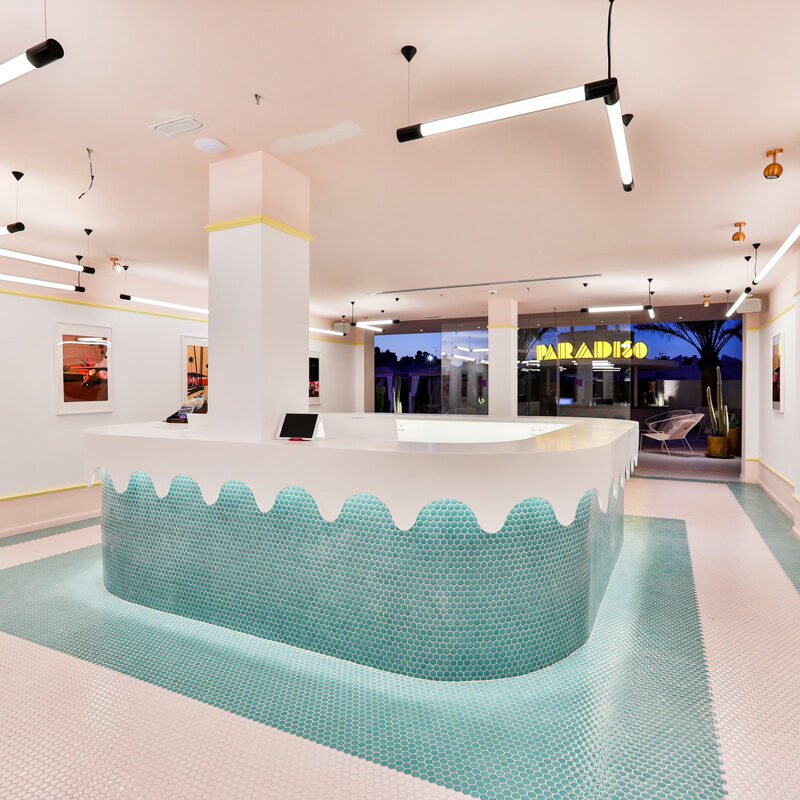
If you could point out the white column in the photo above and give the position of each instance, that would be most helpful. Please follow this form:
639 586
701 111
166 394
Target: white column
258 254
751 410
792 403
502 357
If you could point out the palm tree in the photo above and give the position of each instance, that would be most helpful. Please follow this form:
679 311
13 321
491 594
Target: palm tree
708 337
527 338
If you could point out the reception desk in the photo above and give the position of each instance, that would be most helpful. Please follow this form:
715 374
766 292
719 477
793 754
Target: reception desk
437 547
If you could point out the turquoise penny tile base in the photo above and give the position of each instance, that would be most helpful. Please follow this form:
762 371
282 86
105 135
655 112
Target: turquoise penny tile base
444 600
626 717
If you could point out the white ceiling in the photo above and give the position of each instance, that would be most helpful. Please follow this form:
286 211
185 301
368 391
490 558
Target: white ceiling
712 86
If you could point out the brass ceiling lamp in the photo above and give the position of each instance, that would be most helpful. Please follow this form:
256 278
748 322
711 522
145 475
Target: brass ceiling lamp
773 170
739 236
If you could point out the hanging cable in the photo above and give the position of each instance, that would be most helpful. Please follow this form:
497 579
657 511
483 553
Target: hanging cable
45 20
608 35
408 51
91 173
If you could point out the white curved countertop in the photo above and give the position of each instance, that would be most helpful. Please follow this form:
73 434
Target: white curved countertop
556 459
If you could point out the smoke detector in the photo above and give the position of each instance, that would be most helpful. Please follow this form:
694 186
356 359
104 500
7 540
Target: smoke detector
208 145
178 126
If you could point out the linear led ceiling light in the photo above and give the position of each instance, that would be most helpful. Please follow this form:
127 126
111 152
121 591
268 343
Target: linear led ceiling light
488 283
367 327
608 89
162 303
779 254
67 287
326 331
735 307
377 321
612 309
40 55
47 262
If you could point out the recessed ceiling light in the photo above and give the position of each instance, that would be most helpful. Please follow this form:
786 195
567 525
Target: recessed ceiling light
209 145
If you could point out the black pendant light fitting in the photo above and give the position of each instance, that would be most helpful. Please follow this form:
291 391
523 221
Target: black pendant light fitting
17 226
40 55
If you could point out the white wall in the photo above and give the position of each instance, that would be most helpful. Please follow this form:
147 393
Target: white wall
42 450
341 375
772 444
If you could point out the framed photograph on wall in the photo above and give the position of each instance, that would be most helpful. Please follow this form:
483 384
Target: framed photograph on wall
84 372
194 369
777 372
313 379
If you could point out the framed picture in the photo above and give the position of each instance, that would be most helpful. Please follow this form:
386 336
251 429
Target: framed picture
313 379
194 368
777 372
84 372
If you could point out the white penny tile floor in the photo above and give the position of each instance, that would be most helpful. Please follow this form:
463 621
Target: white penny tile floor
687 689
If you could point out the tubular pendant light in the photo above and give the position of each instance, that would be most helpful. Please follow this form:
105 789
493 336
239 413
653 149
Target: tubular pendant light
369 327
40 55
67 287
742 297
612 309
607 88
651 312
47 262
378 321
779 254
326 331
162 303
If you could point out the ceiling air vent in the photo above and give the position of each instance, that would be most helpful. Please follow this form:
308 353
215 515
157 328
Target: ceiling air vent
750 306
175 127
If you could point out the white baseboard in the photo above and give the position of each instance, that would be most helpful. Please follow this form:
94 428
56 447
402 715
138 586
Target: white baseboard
777 500
24 514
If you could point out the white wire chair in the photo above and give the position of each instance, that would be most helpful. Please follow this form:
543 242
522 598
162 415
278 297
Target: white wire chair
671 426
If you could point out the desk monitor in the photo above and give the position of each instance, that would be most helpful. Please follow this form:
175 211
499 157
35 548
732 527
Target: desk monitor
299 426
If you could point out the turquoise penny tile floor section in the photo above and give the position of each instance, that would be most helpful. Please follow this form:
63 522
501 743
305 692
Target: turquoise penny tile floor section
628 715
773 525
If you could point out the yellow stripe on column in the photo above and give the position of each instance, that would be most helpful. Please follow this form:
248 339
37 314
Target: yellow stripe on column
259 219
495 327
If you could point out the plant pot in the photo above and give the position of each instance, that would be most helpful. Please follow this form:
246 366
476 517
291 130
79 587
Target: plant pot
735 437
719 447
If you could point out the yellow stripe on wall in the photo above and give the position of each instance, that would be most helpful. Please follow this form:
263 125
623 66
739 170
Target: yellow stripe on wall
778 316
772 470
259 219
38 492
98 305
497 327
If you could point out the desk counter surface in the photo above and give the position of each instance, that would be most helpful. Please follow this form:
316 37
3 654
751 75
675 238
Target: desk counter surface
491 465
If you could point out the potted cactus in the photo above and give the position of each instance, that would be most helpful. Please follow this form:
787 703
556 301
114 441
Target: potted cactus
719 444
735 435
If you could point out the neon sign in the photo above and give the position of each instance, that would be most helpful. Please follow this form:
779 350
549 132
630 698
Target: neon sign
600 349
